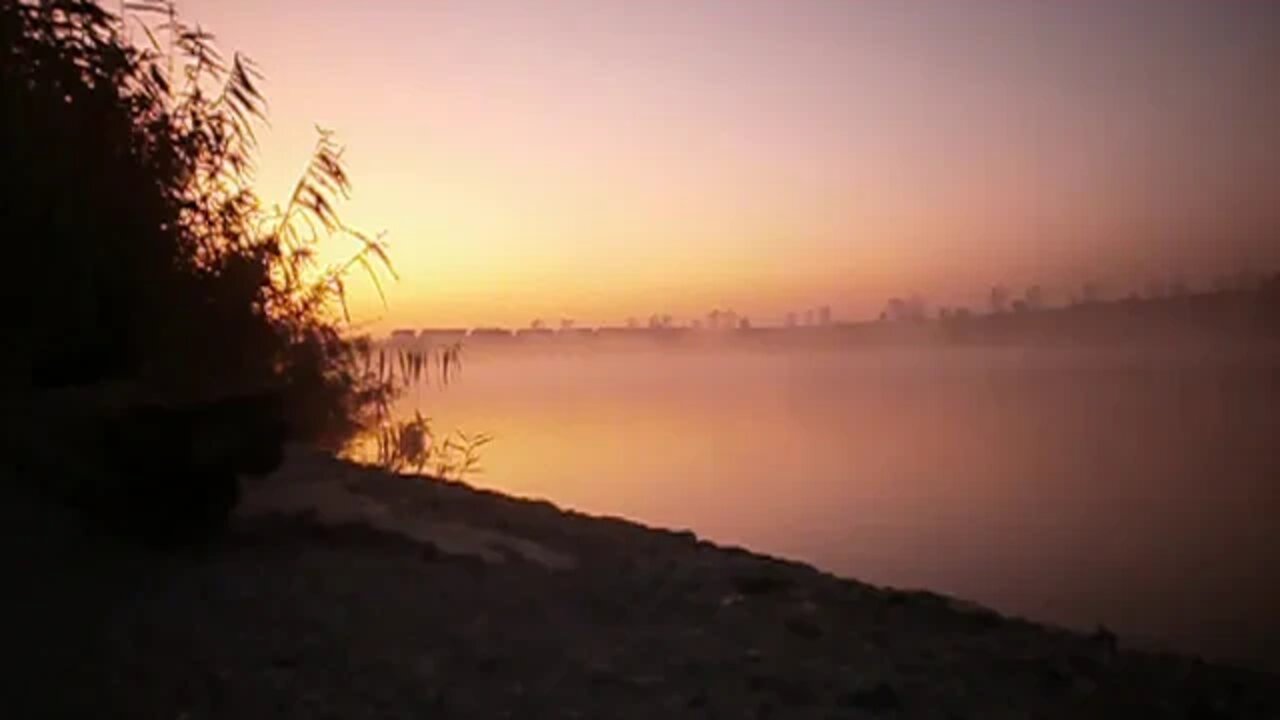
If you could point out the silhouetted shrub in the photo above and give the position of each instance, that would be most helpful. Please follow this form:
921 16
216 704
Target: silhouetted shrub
146 254
139 251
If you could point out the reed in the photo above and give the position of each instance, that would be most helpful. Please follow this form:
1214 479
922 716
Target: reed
412 445
129 143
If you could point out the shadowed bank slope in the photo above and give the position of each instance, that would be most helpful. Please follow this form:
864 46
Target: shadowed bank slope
524 610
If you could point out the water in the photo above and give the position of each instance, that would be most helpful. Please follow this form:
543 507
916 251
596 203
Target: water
1136 488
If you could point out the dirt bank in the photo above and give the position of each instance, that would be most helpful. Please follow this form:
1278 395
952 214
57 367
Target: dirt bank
346 593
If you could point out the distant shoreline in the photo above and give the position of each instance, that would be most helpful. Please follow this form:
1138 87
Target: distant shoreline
1220 317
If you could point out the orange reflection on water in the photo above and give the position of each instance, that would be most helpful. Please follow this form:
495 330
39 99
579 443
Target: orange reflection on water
1129 487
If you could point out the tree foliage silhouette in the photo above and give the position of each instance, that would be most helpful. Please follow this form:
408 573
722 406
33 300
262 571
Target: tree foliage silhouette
138 247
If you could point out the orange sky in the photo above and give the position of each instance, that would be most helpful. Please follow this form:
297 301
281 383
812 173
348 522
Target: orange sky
597 159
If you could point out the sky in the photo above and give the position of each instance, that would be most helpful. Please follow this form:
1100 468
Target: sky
600 159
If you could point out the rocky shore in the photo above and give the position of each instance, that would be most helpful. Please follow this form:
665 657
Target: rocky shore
343 592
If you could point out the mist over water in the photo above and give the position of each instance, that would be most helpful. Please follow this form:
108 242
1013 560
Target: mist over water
1127 486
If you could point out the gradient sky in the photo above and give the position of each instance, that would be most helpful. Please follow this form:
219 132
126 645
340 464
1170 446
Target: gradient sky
597 159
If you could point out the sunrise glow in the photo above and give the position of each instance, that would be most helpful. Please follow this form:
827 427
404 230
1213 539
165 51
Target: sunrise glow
598 159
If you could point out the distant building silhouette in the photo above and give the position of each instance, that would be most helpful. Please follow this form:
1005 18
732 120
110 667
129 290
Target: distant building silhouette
824 315
999 299
660 322
899 310
1035 298
403 337
490 333
791 320
536 331
442 336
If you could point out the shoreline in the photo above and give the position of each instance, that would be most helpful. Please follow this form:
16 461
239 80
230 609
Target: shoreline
347 592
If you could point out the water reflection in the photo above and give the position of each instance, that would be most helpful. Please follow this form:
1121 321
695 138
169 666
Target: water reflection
1135 488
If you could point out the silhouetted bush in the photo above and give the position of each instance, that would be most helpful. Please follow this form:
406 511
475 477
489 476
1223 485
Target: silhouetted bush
139 253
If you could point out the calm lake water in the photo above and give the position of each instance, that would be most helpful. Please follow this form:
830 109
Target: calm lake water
1136 488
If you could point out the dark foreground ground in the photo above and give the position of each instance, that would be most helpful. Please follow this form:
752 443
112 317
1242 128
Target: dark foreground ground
307 618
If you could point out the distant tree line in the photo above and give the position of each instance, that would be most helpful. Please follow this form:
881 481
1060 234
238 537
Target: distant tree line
1001 300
